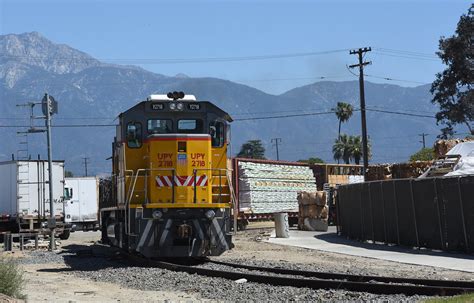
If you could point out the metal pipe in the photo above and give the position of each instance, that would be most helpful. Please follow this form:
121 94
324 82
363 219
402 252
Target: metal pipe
172 185
195 187
462 215
396 211
383 214
414 213
220 186
436 200
371 212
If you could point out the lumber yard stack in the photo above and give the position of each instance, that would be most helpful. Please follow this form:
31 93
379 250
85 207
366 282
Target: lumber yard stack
313 211
272 187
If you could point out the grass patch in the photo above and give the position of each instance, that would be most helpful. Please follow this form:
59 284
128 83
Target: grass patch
455 299
11 278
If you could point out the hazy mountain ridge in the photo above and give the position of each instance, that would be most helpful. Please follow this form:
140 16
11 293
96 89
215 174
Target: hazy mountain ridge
92 92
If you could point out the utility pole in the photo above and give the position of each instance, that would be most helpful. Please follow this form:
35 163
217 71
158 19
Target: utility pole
49 107
423 135
48 110
85 164
361 65
276 140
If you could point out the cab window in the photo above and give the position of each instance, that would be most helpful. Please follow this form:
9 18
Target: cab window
159 126
134 135
217 132
67 193
190 126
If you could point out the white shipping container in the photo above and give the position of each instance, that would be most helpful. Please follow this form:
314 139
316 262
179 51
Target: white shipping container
81 200
24 188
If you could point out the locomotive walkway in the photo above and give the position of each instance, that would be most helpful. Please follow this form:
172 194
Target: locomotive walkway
330 242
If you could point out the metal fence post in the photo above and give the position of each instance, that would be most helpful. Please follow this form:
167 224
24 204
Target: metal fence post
371 212
383 214
462 214
22 240
439 215
396 210
414 213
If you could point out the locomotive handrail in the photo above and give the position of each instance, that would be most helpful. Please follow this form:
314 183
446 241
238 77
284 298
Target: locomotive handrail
132 189
220 180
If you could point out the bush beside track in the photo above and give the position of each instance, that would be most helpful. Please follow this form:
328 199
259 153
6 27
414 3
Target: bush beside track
11 278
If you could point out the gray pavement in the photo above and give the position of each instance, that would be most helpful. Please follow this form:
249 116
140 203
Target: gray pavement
331 242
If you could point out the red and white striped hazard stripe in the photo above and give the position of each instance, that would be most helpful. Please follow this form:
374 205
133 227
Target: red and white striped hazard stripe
166 181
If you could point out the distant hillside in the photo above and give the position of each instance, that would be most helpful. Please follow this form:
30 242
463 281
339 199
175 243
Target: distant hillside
92 92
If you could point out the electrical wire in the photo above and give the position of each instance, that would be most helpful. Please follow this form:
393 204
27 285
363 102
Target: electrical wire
399 113
186 60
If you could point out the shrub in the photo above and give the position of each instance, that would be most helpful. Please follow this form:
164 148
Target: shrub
11 278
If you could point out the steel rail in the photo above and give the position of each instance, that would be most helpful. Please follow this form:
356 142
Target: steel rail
370 287
354 278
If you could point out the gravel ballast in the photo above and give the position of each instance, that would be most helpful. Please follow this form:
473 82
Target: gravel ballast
143 278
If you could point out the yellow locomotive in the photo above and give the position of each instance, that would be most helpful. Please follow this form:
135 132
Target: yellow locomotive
170 191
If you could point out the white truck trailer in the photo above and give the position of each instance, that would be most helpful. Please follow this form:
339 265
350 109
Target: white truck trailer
81 203
24 196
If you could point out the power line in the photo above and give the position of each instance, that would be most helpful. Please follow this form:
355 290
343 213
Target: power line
393 79
399 113
405 56
64 125
187 60
406 52
286 116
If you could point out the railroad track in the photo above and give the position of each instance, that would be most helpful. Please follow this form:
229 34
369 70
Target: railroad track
320 280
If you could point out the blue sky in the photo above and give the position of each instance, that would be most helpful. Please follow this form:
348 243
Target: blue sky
131 31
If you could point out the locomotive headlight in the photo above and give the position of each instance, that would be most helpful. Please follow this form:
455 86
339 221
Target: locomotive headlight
210 214
157 214
172 106
180 106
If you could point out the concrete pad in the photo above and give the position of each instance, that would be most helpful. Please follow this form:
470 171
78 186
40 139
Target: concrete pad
329 241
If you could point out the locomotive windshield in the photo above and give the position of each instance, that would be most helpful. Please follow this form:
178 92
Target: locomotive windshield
190 126
160 126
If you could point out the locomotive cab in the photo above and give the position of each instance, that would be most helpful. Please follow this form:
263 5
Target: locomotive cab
170 179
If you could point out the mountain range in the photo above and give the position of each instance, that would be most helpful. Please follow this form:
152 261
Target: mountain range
92 92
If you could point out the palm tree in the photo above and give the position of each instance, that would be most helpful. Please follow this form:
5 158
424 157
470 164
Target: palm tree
343 113
356 148
342 149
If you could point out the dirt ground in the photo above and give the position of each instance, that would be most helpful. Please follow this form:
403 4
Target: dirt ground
46 282
51 286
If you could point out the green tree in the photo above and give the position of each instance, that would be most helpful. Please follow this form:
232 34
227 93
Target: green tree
356 148
252 149
68 174
342 149
348 148
343 113
312 160
424 154
452 89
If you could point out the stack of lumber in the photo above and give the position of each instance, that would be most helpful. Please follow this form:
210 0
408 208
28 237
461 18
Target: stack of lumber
313 211
270 188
